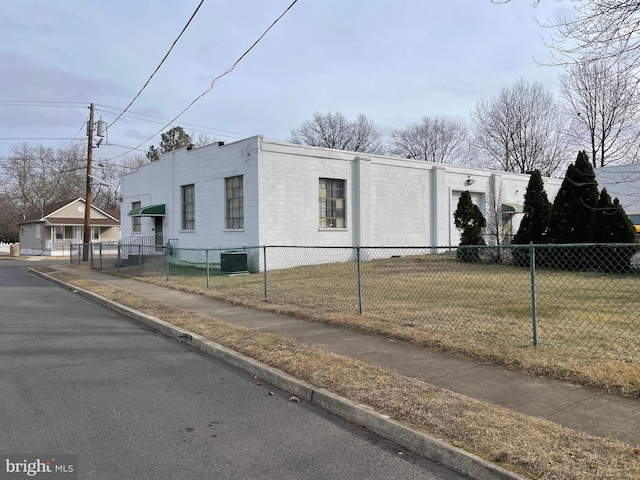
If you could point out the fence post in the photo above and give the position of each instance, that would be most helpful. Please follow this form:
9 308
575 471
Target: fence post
206 254
90 247
264 262
100 253
168 250
359 281
118 259
139 258
80 248
532 267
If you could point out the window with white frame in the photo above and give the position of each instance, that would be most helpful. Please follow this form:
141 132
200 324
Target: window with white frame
188 196
38 231
136 222
234 196
332 207
95 234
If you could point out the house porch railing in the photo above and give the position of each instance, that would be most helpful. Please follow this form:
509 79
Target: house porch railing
65 246
59 245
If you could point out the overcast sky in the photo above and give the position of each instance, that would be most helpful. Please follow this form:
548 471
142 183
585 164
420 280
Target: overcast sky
395 61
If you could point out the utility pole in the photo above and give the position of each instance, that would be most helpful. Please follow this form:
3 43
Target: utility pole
87 207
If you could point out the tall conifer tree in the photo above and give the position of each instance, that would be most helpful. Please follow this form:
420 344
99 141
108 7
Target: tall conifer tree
537 208
610 223
574 204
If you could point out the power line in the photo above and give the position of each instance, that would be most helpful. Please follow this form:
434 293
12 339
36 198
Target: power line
198 128
164 120
34 104
40 102
48 104
230 69
81 127
215 80
125 146
37 138
159 65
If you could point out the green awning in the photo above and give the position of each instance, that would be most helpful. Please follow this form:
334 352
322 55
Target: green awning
148 211
511 208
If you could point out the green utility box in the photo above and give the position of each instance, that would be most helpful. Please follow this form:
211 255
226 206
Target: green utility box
233 262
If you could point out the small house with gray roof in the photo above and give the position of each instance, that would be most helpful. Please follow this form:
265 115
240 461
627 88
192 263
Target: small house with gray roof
52 230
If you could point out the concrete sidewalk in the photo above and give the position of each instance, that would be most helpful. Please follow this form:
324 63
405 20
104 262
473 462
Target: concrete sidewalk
589 410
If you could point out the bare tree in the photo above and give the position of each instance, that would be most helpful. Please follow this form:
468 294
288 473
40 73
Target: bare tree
495 221
107 191
438 140
200 139
604 99
9 219
36 176
600 29
522 129
333 130
131 163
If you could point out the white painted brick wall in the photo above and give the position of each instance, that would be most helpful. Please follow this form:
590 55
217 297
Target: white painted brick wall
404 202
205 168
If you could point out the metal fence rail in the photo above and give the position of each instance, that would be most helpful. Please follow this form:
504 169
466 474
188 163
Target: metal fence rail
585 296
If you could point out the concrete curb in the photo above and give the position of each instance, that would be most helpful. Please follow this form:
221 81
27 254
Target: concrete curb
425 445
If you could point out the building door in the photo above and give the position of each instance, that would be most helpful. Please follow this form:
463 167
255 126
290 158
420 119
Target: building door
477 198
158 230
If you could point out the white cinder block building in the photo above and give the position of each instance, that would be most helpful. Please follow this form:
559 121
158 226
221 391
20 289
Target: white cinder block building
257 192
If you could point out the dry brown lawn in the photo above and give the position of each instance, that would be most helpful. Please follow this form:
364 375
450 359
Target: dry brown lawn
528 445
588 324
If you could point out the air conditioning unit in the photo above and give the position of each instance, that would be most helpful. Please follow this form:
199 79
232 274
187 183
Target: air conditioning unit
233 262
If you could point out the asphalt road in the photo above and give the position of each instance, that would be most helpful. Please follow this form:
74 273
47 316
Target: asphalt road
77 378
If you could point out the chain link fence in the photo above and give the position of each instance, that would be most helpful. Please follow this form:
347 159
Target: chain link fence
583 297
